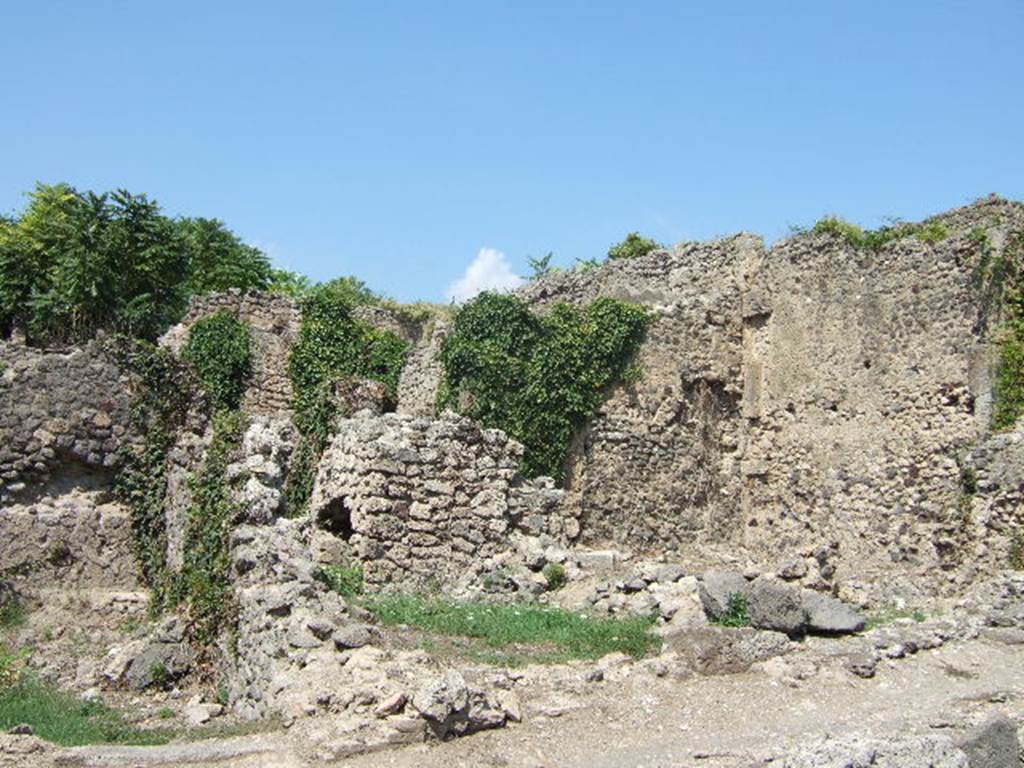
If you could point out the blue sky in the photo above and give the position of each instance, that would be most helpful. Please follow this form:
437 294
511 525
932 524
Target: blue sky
395 140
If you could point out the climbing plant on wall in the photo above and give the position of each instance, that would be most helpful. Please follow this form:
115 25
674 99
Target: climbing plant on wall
164 390
1009 270
219 347
537 378
332 343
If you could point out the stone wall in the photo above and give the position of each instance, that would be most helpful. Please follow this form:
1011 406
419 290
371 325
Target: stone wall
70 535
275 321
658 465
867 377
59 408
426 502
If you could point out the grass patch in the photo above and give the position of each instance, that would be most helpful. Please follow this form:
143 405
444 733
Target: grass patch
68 721
562 634
888 615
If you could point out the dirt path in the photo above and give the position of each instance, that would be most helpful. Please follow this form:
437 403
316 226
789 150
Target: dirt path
637 719
734 720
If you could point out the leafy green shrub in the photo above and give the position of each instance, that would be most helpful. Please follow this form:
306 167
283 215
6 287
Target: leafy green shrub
1008 271
736 611
332 344
537 378
555 575
345 580
76 262
219 347
632 246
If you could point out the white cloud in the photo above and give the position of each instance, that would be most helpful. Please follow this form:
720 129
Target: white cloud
489 271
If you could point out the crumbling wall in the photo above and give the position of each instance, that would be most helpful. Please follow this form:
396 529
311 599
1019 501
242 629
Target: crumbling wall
658 465
58 408
867 376
71 534
425 502
275 320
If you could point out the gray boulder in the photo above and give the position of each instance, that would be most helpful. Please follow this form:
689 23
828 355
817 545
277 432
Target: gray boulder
827 616
717 650
452 708
775 605
716 588
856 752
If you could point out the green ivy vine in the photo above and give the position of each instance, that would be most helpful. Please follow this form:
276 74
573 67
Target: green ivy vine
537 378
332 344
1009 400
163 395
219 347
205 581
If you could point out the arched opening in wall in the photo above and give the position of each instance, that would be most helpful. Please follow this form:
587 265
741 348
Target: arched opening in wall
336 518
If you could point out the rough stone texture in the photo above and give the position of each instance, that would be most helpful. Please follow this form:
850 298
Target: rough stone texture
257 479
427 501
857 752
718 650
275 320
59 408
157 660
993 745
72 534
417 387
658 466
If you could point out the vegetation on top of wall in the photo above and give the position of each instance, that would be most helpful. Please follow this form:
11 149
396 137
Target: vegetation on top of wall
332 344
73 263
537 378
632 246
158 411
876 239
219 348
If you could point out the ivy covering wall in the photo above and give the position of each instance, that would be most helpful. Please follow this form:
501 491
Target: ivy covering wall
538 378
332 344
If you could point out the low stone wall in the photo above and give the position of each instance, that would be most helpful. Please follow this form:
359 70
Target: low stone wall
426 502
59 408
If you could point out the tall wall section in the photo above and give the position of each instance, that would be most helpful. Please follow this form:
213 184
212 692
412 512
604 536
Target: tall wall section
658 466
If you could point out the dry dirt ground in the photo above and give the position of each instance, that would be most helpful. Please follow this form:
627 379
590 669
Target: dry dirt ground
634 717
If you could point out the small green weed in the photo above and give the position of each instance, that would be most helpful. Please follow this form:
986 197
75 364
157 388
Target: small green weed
1017 549
736 611
12 614
345 580
555 575
890 614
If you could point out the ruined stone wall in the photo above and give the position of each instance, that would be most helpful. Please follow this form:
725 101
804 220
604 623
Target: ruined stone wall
867 377
425 502
275 320
59 408
70 534
658 465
